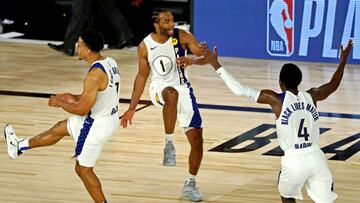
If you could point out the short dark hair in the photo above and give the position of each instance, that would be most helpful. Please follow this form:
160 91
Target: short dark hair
290 75
93 39
155 17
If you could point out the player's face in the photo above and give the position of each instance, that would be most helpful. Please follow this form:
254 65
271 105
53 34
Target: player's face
166 24
83 50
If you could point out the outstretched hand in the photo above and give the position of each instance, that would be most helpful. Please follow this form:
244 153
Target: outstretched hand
58 98
344 53
127 118
210 57
67 97
53 101
184 61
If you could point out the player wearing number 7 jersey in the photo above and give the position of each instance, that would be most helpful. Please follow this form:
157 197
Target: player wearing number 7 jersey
95 116
297 127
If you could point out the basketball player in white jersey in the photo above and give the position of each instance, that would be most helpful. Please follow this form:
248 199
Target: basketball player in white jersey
297 127
171 90
95 116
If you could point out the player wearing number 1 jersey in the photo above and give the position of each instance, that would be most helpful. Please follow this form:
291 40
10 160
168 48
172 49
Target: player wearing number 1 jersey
297 127
162 53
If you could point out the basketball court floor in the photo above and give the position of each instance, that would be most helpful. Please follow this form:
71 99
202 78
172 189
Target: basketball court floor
241 155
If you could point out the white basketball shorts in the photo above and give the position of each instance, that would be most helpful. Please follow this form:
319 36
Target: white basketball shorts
306 167
100 131
188 113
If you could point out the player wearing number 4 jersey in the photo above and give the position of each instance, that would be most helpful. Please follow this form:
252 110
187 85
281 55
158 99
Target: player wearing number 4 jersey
297 127
96 114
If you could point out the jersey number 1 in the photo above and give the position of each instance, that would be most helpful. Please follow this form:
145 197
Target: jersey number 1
162 66
305 135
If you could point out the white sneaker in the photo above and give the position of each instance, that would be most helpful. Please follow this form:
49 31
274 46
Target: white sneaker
12 142
191 192
169 155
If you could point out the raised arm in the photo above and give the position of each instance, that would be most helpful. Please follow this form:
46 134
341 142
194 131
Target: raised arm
325 90
139 85
93 82
260 96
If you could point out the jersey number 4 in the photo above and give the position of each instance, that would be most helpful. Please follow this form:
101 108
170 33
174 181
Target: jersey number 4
300 134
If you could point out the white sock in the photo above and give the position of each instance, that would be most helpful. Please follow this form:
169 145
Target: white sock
191 177
169 137
23 145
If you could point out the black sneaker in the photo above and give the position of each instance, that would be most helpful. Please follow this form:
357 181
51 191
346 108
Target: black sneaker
121 45
61 48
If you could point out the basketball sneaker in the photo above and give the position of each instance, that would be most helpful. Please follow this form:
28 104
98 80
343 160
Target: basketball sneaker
191 192
169 155
12 142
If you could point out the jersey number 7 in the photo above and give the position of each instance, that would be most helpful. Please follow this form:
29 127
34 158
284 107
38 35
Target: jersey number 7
117 87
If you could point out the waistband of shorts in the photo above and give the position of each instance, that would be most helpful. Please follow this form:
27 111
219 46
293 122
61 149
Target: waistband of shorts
112 116
302 151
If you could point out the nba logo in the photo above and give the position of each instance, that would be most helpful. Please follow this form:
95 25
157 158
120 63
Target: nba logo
280 27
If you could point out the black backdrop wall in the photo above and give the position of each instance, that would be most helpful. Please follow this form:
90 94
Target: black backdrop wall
48 19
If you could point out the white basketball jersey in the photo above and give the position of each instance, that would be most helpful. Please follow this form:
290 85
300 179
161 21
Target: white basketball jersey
107 101
162 62
297 126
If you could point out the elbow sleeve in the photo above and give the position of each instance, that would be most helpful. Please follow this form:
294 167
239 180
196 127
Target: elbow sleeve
236 87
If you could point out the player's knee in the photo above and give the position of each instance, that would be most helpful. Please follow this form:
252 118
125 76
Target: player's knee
78 170
60 124
197 141
82 171
59 129
170 95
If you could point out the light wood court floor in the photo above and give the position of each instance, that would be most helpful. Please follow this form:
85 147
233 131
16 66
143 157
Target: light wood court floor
130 166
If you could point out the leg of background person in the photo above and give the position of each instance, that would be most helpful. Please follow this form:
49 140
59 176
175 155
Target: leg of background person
80 12
91 182
196 153
121 26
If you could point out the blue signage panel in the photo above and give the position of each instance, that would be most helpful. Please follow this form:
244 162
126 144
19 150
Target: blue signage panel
306 30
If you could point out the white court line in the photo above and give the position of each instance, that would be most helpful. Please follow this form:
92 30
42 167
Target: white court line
9 35
28 41
36 41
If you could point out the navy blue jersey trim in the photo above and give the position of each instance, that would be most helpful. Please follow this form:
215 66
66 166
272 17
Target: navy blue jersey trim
179 52
196 120
98 65
282 97
83 135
